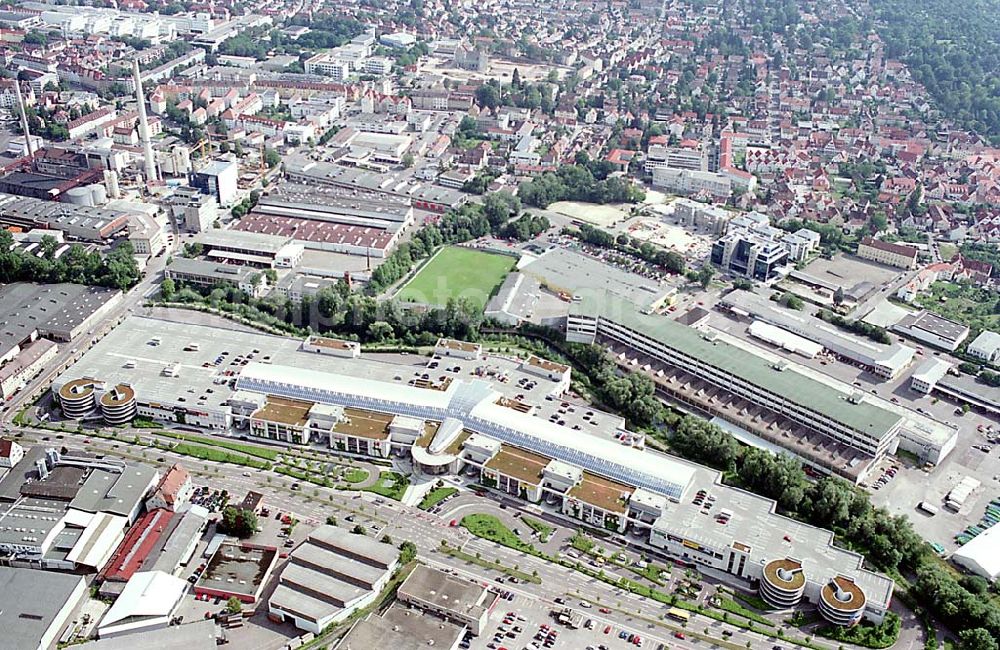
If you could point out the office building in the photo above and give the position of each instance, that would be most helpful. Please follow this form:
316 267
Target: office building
752 249
691 156
193 210
928 374
205 273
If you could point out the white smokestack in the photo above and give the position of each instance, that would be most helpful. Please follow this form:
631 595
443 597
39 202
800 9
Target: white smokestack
147 146
24 118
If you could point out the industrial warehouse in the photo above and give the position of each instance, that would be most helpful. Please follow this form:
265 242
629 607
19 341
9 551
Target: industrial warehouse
300 392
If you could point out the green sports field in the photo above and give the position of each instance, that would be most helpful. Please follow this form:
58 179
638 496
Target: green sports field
457 273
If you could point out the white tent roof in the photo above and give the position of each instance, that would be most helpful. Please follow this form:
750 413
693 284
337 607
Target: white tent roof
980 555
148 594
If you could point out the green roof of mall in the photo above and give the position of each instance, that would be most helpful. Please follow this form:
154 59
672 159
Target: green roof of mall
794 386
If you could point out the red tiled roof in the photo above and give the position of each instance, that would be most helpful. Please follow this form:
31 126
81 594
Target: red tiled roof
172 481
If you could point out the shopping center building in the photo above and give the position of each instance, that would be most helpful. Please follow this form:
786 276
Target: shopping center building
459 417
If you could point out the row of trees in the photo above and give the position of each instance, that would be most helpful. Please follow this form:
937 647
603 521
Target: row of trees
578 183
117 269
830 502
667 260
339 311
874 332
631 394
468 222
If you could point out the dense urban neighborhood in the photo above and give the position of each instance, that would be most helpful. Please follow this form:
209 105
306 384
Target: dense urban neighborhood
358 324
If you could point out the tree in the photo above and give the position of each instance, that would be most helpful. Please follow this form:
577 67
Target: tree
167 289
705 275
234 605
515 79
238 522
407 160
977 639
488 96
791 301
331 521
359 530
407 552
272 158
838 296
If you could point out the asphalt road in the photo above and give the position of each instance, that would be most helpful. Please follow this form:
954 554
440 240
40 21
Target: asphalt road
313 504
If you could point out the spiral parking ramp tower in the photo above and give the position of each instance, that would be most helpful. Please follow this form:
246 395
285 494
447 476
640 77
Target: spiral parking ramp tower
841 601
77 398
783 583
118 404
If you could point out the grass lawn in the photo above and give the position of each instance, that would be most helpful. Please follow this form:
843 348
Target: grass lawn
250 450
733 607
355 475
207 453
391 485
489 527
947 250
456 272
436 496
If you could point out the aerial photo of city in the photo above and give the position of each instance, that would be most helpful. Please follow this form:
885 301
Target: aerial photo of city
500 325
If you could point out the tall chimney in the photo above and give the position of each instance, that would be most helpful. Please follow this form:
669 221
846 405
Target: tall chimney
24 117
147 146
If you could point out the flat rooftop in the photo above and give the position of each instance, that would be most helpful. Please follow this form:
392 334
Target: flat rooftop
26 307
573 272
237 569
364 424
400 628
283 410
128 355
788 383
25 620
444 591
236 239
937 325
601 492
524 465
770 536
199 635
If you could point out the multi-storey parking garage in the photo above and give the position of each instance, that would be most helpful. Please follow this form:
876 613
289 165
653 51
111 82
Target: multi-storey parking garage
462 422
